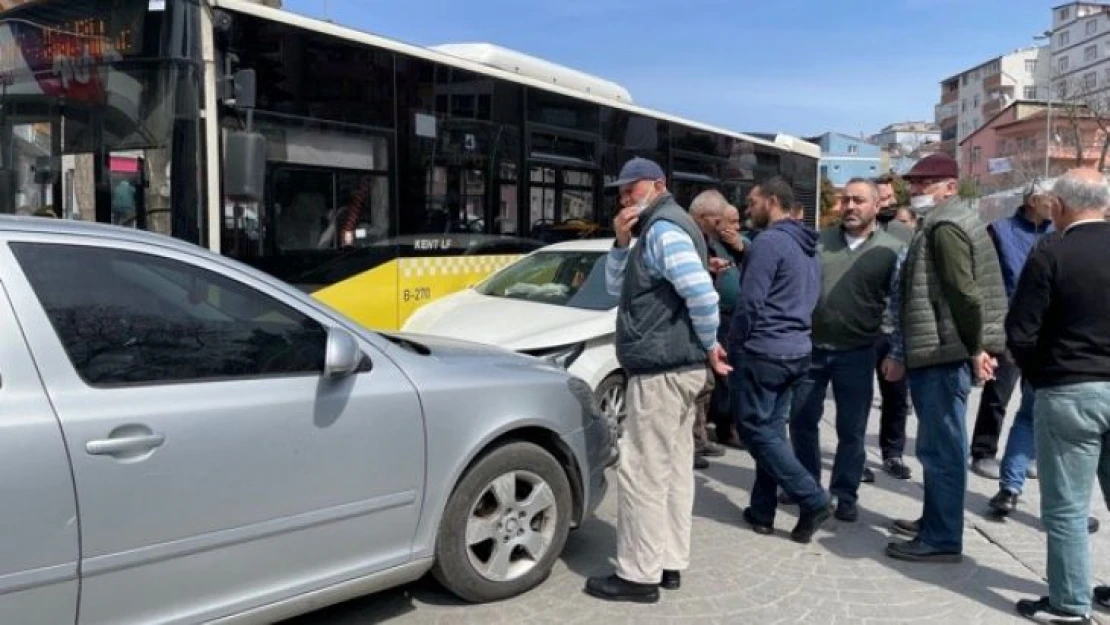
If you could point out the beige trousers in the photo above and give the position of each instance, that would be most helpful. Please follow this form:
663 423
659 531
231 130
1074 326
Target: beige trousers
655 477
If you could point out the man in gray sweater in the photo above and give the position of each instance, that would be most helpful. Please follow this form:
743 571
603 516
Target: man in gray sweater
857 261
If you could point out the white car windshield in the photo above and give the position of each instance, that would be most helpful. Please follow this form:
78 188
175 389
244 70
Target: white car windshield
562 278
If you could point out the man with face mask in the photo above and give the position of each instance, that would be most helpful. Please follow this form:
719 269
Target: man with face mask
895 395
667 321
949 309
888 210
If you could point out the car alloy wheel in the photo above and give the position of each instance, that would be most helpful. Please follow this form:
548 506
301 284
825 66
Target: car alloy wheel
511 526
505 523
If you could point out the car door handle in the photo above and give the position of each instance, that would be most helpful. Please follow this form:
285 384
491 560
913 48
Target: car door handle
124 444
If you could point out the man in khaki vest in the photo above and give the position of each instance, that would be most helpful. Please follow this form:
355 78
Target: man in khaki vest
949 306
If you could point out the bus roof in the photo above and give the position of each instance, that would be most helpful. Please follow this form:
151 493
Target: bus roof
781 141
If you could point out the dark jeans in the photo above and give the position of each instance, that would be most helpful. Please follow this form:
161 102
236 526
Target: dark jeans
762 388
992 409
940 399
849 371
720 413
895 409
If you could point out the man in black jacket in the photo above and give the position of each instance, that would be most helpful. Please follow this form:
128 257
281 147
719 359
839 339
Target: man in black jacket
1058 331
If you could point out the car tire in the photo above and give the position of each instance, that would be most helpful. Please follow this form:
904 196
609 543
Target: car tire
514 501
613 387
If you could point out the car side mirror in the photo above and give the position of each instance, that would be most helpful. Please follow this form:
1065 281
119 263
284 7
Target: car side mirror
342 356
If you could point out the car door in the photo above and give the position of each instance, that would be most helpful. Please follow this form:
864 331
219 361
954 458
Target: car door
217 469
38 544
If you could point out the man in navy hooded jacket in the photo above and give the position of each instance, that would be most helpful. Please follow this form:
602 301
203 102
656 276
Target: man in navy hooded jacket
769 348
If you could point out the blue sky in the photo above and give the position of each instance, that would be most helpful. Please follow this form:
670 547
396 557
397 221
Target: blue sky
794 66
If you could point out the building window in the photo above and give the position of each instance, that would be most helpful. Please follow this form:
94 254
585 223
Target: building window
1063 39
1092 26
1030 92
963 106
975 154
975 101
1090 81
1090 53
1106 75
853 149
1063 64
1064 13
963 79
1030 66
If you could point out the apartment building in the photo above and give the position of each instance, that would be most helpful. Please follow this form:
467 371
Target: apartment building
1080 49
844 157
970 98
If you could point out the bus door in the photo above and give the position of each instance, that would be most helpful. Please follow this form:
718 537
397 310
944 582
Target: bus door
110 135
470 180
563 186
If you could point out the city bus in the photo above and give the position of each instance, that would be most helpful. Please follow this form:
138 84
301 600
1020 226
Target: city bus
374 174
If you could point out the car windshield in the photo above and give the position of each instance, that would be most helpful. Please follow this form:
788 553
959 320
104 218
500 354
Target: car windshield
563 278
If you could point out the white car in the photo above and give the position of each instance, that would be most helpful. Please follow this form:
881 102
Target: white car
552 304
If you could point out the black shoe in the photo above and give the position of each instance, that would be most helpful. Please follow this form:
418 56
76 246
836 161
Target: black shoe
700 462
847 511
1102 596
757 527
868 476
1004 502
672 580
909 529
808 524
1092 525
710 451
917 551
897 469
1041 610
613 588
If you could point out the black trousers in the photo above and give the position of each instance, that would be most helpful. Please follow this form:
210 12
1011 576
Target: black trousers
992 409
720 408
895 409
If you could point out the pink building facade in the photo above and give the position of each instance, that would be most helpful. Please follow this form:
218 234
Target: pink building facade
1010 149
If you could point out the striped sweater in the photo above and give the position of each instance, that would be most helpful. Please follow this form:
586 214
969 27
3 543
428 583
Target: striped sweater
670 254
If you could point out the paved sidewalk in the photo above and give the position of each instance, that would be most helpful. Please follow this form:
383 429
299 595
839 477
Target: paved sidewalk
740 577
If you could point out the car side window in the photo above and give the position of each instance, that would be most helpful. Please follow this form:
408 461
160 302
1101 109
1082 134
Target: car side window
128 318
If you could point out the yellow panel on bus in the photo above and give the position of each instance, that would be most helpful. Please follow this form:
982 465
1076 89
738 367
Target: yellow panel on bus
382 298
369 297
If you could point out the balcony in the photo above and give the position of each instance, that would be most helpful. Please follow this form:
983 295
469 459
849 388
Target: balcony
946 110
992 81
991 107
949 96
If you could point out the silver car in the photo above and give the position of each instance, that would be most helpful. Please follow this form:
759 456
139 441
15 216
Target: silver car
184 439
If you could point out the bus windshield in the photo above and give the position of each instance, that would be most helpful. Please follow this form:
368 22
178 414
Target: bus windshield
97 102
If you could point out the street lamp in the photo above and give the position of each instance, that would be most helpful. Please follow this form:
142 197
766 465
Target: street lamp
1048 115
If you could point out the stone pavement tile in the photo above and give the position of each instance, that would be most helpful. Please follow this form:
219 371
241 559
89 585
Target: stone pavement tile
737 576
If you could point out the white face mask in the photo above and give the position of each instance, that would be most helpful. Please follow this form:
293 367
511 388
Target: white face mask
922 203
642 205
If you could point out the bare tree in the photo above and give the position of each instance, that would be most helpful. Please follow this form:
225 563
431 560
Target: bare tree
1085 107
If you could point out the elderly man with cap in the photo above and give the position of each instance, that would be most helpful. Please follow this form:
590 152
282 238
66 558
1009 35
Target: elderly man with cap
666 333
1013 238
949 303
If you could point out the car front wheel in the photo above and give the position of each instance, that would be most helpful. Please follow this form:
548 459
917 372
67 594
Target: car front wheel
504 525
611 396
